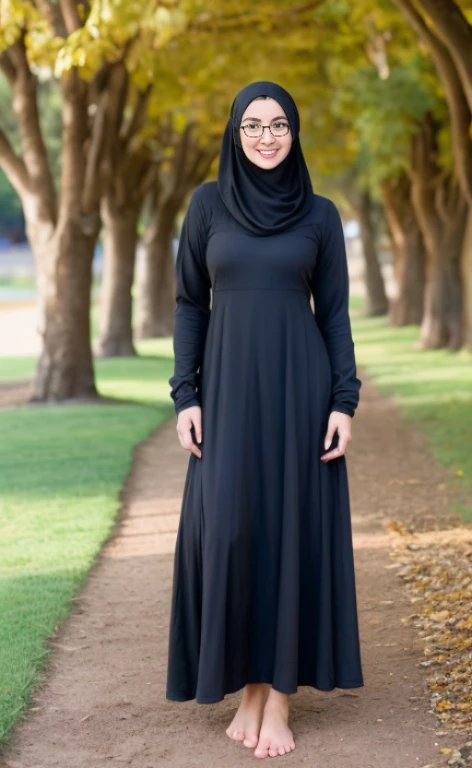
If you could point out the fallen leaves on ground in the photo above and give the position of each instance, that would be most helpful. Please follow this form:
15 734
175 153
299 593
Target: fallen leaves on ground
436 568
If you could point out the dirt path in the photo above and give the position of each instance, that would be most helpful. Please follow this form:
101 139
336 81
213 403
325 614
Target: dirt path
104 701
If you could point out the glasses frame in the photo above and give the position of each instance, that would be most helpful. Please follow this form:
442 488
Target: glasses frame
262 132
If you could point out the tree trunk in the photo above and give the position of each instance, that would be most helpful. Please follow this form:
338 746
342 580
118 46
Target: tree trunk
455 31
126 173
467 280
157 302
377 301
409 255
190 166
441 210
446 54
62 231
116 334
442 322
65 365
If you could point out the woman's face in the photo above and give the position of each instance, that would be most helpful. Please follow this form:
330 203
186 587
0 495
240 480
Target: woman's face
267 151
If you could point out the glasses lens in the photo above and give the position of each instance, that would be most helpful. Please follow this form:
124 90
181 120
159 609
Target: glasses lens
252 130
278 128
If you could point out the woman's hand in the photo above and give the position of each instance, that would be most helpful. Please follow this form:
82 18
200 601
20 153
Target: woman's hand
340 423
188 419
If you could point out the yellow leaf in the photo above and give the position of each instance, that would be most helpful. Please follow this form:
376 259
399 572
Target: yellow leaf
440 616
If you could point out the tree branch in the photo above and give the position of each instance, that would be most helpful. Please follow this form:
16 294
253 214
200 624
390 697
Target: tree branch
181 155
139 117
13 167
459 110
52 14
7 67
147 181
92 182
70 15
33 148
454 30
74 143
114 101
118 94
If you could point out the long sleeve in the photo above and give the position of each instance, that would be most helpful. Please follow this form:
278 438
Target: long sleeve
330 288
192 312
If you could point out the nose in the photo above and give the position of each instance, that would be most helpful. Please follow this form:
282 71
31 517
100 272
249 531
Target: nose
267 137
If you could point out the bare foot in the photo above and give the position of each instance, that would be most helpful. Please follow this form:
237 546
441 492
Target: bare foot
275 737
246 723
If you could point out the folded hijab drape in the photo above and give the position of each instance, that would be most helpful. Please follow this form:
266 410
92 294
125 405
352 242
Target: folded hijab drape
265 201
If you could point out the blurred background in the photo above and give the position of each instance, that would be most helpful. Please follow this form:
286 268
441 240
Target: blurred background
111 113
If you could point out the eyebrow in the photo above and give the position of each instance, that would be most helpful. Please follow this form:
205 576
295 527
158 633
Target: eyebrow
258 119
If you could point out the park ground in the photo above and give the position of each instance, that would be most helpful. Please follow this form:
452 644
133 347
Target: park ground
102 696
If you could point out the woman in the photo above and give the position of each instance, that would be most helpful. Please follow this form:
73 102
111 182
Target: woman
264 587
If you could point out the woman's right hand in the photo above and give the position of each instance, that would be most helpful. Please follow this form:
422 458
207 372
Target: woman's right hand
186 419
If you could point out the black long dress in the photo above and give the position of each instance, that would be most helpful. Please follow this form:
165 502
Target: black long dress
264 583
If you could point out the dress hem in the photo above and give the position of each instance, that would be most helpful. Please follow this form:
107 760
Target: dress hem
215 700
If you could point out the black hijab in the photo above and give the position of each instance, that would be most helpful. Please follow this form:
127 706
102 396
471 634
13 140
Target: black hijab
265 201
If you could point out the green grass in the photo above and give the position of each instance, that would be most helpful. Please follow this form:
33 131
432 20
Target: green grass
22 282
16 368
433 388
116 376
61 472
27 282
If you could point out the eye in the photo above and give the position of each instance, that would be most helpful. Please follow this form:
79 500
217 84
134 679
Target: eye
252 126
279 124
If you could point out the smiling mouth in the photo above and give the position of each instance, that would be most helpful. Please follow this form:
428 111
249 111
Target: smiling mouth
270 153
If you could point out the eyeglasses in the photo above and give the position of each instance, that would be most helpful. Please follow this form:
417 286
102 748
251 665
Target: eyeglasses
254 130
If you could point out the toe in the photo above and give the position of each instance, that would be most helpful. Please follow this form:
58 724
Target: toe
281 750
262 749
273 751
251 740
259 752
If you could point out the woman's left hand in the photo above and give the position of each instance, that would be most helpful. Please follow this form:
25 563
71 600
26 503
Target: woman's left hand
340 423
